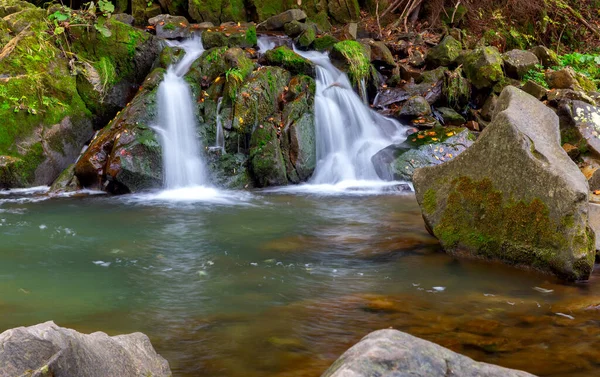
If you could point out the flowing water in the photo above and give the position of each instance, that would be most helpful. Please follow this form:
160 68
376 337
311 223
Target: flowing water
272 284
348 132
220 139
182 163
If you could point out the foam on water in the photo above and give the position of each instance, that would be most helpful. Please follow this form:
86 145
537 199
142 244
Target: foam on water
346 187
192 194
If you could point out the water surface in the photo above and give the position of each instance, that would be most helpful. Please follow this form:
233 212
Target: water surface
278 283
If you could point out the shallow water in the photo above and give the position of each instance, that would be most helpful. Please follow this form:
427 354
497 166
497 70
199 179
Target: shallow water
278 283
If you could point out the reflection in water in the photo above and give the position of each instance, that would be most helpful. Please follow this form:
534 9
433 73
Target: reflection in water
280 285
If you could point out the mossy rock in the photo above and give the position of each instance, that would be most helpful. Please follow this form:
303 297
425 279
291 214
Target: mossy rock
483 67
456 89
352 57
230 36
229 170
445 53
169 56
306 39
266 159
344 11
284 57
325 43
524 203
217 11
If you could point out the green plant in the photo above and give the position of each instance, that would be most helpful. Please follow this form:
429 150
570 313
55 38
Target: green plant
536 75
106 7
234 77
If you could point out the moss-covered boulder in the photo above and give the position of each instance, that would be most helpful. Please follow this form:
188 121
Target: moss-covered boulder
307 37
456 90
325 43
518 62
513 196
423 148
381 54
125 156
416 106
547 57
352 57
66 181
217 11
277 22
229 170
483 67
266 159
49 101
344 11
445 53
284 57
240 35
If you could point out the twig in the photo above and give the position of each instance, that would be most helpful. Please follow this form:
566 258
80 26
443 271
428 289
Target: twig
378 23
454 13
392 7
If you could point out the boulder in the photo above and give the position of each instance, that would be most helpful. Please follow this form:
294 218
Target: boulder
456 89
381 54
514 196
416 106
307 37
424 148
547 57
49 350
49 102
535 89
352 57
450 117
267 164
243 36
278 22
284 57
394 353
217 11
562 79
344 11
170 27
66 182
294 28
518 62
483 67
325 43
125 156
585 120
445 53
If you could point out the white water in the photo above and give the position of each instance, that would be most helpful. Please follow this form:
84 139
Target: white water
220 139
265 43
348 132
182 163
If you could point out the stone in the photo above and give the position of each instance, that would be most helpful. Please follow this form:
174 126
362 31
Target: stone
423 148
557 96
306 39
594 182
433 76
547 57
284 57
514 196
394 353
535 89
350 31
416 58
585 120
325 43
456 89
124 18
278 22
294 28
380 54
518 62
595 221
352 57
267 164
562 79
49 350
344 11
450 117
217 11
66 181
416 106
489 107
483 67
408 73
445 53
243 36
170 27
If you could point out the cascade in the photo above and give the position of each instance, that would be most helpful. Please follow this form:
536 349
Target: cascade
182 163
220 139
348 132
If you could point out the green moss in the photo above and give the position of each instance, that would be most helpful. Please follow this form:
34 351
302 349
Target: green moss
358 63
429 201
251 37
169 26
325 42
284 57
482 220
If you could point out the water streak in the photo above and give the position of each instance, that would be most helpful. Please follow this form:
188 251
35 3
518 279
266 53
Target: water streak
220 139
182 163
348 132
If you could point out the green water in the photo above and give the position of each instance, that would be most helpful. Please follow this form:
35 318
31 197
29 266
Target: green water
275 284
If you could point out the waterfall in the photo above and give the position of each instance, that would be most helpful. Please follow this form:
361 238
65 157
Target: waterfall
220 139
182 163
348 132
265 43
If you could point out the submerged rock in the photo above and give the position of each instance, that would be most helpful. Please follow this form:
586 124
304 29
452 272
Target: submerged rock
394 353
514 195
49 350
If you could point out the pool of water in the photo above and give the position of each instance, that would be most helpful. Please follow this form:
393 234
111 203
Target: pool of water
278 283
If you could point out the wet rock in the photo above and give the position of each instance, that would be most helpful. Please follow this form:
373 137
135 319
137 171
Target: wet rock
278 22
125 156
266 159
352 57
450 117
124 18
294 28
483 67
47 349
518 62
170 27
243 36
229 170
456 89
585 120
380 54
389 96
445 53
424 148
535 89
344 11
524 203
416 106
391 352
350 31
547 57
434 75
284 57
169 56
66 181
325 43
306 39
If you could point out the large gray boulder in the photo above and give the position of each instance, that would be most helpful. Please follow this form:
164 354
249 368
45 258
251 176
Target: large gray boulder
514 195
391 353
49 350
584 120
518 62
